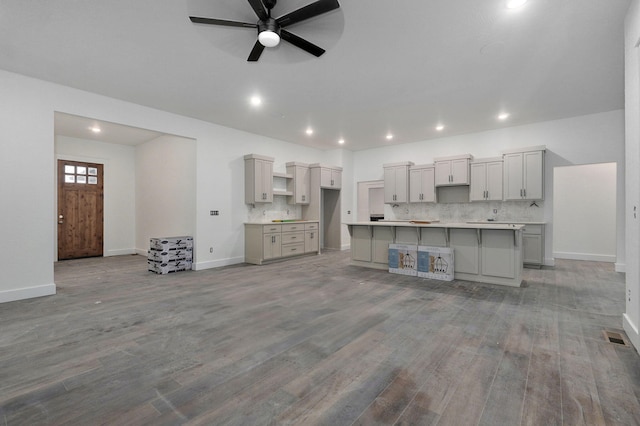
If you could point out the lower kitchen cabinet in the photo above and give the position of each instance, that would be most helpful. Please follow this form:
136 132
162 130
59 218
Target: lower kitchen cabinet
264 242
533 245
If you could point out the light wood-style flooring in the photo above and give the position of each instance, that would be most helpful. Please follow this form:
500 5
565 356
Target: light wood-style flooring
314 340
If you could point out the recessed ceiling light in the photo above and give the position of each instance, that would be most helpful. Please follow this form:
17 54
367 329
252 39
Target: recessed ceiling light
389 136
341 141
95 129
309 131
255 101
514 4
440 127
503 116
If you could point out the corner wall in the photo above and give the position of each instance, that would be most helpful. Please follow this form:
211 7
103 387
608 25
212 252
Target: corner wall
631 317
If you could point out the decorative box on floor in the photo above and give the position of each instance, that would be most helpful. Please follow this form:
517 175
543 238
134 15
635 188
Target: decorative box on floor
403 259
170 254
435 263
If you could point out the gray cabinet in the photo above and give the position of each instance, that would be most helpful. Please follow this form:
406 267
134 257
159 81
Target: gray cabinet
330 178
452 170
422 188
264 242
533 245
486 180
300 184
396 182
258 179
524 174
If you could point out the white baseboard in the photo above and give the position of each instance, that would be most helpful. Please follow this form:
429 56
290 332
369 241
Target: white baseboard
621 267
345 247
584 256
142 252
199 266
27 293
549 261
120 252
632 331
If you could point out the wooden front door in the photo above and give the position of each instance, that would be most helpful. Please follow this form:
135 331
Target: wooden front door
80 209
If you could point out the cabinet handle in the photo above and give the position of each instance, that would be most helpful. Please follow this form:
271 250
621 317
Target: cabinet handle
303 197
311 235
525 192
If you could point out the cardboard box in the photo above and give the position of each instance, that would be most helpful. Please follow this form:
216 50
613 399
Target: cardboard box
436 263
170 243
168 267
167 256
403 259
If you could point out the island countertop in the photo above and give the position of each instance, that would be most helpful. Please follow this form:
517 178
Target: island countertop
457 225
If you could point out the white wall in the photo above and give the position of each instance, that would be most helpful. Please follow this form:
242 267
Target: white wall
27 160
119 191
165 189
584 212
580 140
632 167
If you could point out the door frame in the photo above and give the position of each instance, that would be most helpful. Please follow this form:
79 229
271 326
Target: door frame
54 215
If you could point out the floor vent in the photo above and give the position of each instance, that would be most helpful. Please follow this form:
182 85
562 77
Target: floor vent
613 337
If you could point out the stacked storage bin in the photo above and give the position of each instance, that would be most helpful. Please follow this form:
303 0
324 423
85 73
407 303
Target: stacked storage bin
171 254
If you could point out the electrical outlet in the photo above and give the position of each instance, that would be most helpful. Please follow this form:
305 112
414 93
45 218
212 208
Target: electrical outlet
215 212
210 249
210 212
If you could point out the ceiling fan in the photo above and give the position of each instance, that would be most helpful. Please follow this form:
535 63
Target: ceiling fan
271 30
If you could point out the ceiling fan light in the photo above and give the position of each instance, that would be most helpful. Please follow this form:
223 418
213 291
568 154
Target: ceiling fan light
269 38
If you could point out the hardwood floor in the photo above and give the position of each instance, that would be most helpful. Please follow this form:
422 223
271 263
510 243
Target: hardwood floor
315 340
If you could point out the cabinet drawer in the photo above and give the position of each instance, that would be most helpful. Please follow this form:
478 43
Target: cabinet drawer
291 227
292 249
268 229
533 229
292 237
310 226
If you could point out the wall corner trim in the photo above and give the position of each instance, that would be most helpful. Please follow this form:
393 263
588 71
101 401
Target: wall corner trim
631 330
27 293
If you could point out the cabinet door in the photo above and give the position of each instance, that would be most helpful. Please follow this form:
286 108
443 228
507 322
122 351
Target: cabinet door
498 253
361 244
382 237
336 179
467 253
494 181
258 176
532 249
513 176
427 185
443 173
311 243
389 185
330 178
272 247
460 172
415 186
532 175
302 185
478 190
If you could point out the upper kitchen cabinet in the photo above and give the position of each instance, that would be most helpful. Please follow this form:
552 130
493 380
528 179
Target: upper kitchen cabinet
524 173
486 180
300 184
422 187
258 179
330 176
396 182
452 170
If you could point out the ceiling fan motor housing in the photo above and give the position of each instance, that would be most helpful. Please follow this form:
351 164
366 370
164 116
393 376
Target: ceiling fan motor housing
272 38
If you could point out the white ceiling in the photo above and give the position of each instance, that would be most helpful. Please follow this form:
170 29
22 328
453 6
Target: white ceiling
391 66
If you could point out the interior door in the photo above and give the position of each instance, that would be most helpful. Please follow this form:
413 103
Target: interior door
80 209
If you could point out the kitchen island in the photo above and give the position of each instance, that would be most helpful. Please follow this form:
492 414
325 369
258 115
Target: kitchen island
484 252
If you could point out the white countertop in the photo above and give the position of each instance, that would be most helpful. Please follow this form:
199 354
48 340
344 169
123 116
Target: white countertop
270 222
459 225
520 222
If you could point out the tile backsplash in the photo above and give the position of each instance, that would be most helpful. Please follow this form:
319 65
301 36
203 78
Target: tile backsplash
279 210
523 211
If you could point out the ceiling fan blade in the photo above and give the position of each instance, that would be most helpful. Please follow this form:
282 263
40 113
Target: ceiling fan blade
301 43
259 9
307 12
255 52
226 23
